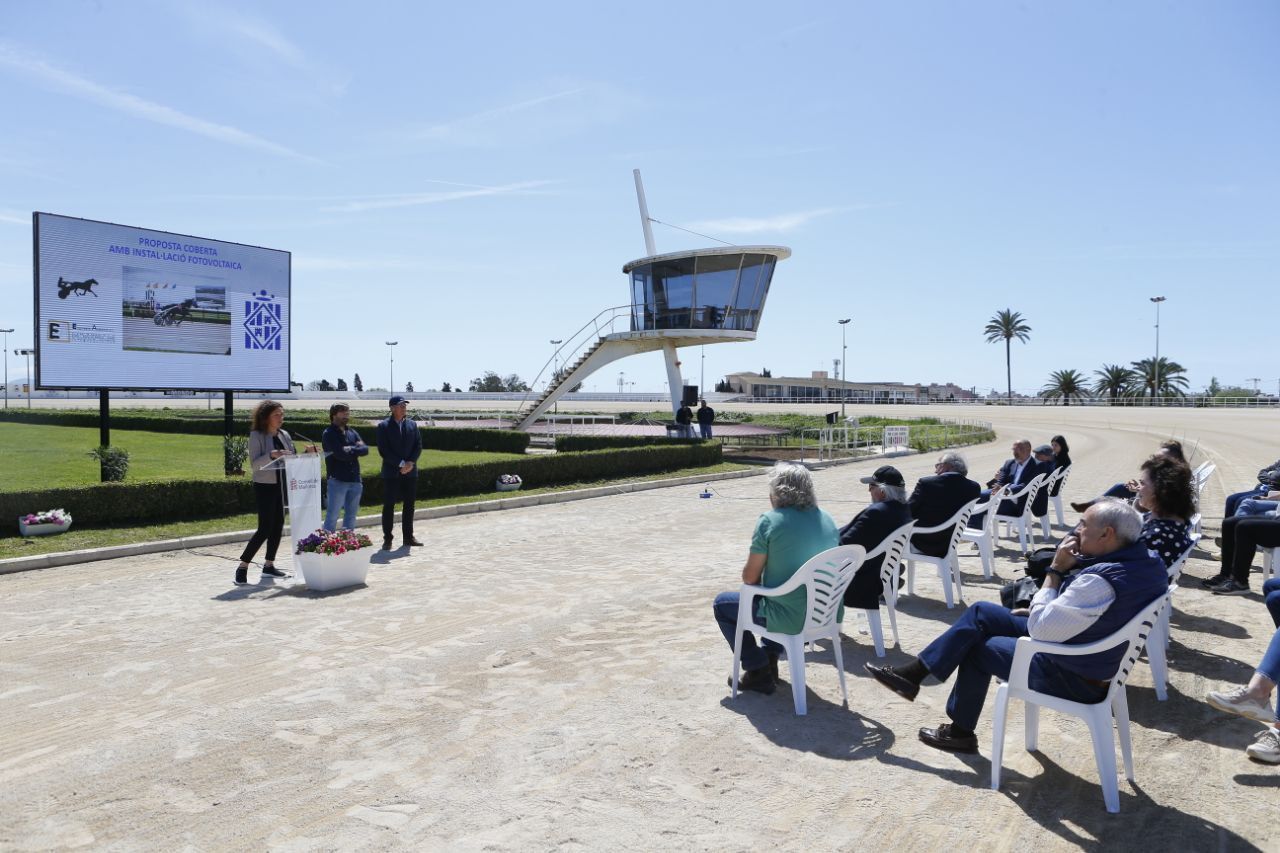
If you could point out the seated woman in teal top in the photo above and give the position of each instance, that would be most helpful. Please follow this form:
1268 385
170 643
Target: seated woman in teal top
784 540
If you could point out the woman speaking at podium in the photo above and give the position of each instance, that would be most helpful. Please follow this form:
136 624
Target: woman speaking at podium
267 443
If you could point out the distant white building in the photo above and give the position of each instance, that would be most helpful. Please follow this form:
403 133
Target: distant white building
819 386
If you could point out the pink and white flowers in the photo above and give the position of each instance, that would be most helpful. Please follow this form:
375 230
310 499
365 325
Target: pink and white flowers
333 543
60 517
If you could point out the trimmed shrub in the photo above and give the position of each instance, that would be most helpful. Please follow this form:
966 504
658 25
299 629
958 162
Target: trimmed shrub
114 462
179 500
235 451
568 443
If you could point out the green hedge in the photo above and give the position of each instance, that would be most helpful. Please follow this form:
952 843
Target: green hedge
433 438
139 503
567 443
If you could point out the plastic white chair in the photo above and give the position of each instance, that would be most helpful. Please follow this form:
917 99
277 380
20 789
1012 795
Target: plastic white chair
1024 519
1158 645
825 577
1097 716
1270 557
985 537
892 547
1062 474
1199 479
949 565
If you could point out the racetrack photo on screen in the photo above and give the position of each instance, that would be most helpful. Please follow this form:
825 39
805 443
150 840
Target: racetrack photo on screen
164 313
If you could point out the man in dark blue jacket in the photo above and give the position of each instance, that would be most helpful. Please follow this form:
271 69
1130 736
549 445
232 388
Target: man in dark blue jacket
1115 579
399 445
1015 473
937 498
343 448
888 512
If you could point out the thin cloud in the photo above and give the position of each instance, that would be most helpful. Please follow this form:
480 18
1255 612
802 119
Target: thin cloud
450 129
136 106
11 218
418 199
765 224
259 32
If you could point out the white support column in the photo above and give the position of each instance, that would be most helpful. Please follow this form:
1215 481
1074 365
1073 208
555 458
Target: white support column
649 245
674 380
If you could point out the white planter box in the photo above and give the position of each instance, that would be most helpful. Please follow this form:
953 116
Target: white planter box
322 572
41 529
508 487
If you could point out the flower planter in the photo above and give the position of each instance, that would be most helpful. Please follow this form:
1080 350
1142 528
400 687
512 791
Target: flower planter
323 572
507 487
41 529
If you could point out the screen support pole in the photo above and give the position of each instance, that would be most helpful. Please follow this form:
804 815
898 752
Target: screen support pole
226 412
104 427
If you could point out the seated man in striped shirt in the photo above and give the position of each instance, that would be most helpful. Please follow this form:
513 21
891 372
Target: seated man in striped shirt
1113 577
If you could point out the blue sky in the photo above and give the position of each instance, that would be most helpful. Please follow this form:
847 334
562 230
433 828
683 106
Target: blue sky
458 176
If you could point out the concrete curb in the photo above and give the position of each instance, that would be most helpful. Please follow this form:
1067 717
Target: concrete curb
89 555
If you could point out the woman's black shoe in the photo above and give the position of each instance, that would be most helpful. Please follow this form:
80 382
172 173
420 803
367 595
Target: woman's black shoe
242 575
273 572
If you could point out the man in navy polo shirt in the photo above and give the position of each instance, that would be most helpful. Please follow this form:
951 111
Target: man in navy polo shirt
1116 579
399 445
343 448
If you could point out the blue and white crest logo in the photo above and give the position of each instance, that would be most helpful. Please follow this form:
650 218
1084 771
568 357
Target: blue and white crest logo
262 325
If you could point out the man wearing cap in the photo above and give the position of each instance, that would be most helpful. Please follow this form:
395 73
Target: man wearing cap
399 445
1046 465
888 512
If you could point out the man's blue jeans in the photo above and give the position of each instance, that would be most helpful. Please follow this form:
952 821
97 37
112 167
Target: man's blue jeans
344 496
1233 501
705 429
726 611
1256 506
980 644
1271 595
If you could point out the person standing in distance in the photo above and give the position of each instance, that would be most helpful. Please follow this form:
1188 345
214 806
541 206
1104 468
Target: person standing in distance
399 445
344 448
684 420
706 417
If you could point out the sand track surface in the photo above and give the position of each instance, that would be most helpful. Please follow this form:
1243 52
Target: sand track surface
551 678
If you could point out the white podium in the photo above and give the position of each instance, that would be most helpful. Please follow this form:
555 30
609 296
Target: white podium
302 490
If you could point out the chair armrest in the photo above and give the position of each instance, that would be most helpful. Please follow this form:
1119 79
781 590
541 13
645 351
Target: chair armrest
950 522
792 583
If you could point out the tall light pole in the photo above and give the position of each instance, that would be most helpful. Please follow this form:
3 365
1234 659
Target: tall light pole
6 366
1156 365
392 345
844 363
555 369
702 377
30 379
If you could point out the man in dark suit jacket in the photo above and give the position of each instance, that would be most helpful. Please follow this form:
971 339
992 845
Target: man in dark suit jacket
937 498
888 512
1015 472
1047 465
399 445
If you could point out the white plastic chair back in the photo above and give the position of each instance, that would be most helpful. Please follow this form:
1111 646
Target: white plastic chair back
948 565
985 537
1159 642
893 547
825 577
1063 474
1098 716
1024 520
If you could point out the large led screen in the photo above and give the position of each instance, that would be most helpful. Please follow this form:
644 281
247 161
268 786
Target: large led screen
129 308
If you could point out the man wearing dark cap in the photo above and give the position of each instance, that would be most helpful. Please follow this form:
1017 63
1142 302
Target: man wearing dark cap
1044 459
399 445
888 512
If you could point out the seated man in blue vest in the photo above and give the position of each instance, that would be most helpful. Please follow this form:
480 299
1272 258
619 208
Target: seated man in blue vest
1113 578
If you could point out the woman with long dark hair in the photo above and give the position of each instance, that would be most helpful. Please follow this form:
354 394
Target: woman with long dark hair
267 443
1061 459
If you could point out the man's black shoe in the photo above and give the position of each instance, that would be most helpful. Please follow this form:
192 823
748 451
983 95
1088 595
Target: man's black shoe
386 544
1231 586
1081 506
759 680
886 676
943 738
1210 583
412 541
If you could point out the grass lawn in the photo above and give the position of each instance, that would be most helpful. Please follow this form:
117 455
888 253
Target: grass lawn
34 456
78 538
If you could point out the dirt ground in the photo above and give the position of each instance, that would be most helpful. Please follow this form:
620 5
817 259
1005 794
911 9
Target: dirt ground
551 678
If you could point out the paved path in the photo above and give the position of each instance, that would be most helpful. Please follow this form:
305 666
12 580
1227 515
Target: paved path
551 677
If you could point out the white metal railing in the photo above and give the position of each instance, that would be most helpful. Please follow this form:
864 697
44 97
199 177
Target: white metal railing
844 442
1190 402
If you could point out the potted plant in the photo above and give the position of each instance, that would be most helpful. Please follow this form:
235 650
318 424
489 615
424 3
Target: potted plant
331 560
509 482
44 523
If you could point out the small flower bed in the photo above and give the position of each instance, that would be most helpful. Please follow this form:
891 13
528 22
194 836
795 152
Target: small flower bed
59 517
332 544
509 479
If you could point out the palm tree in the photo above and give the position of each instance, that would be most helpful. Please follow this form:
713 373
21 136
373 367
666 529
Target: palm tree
1115 380
1005 326
1066 385
1161 377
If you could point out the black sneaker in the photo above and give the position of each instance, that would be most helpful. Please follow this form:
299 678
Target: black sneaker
1216 580
1231 587
386 544
760 680
273 572
242 575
